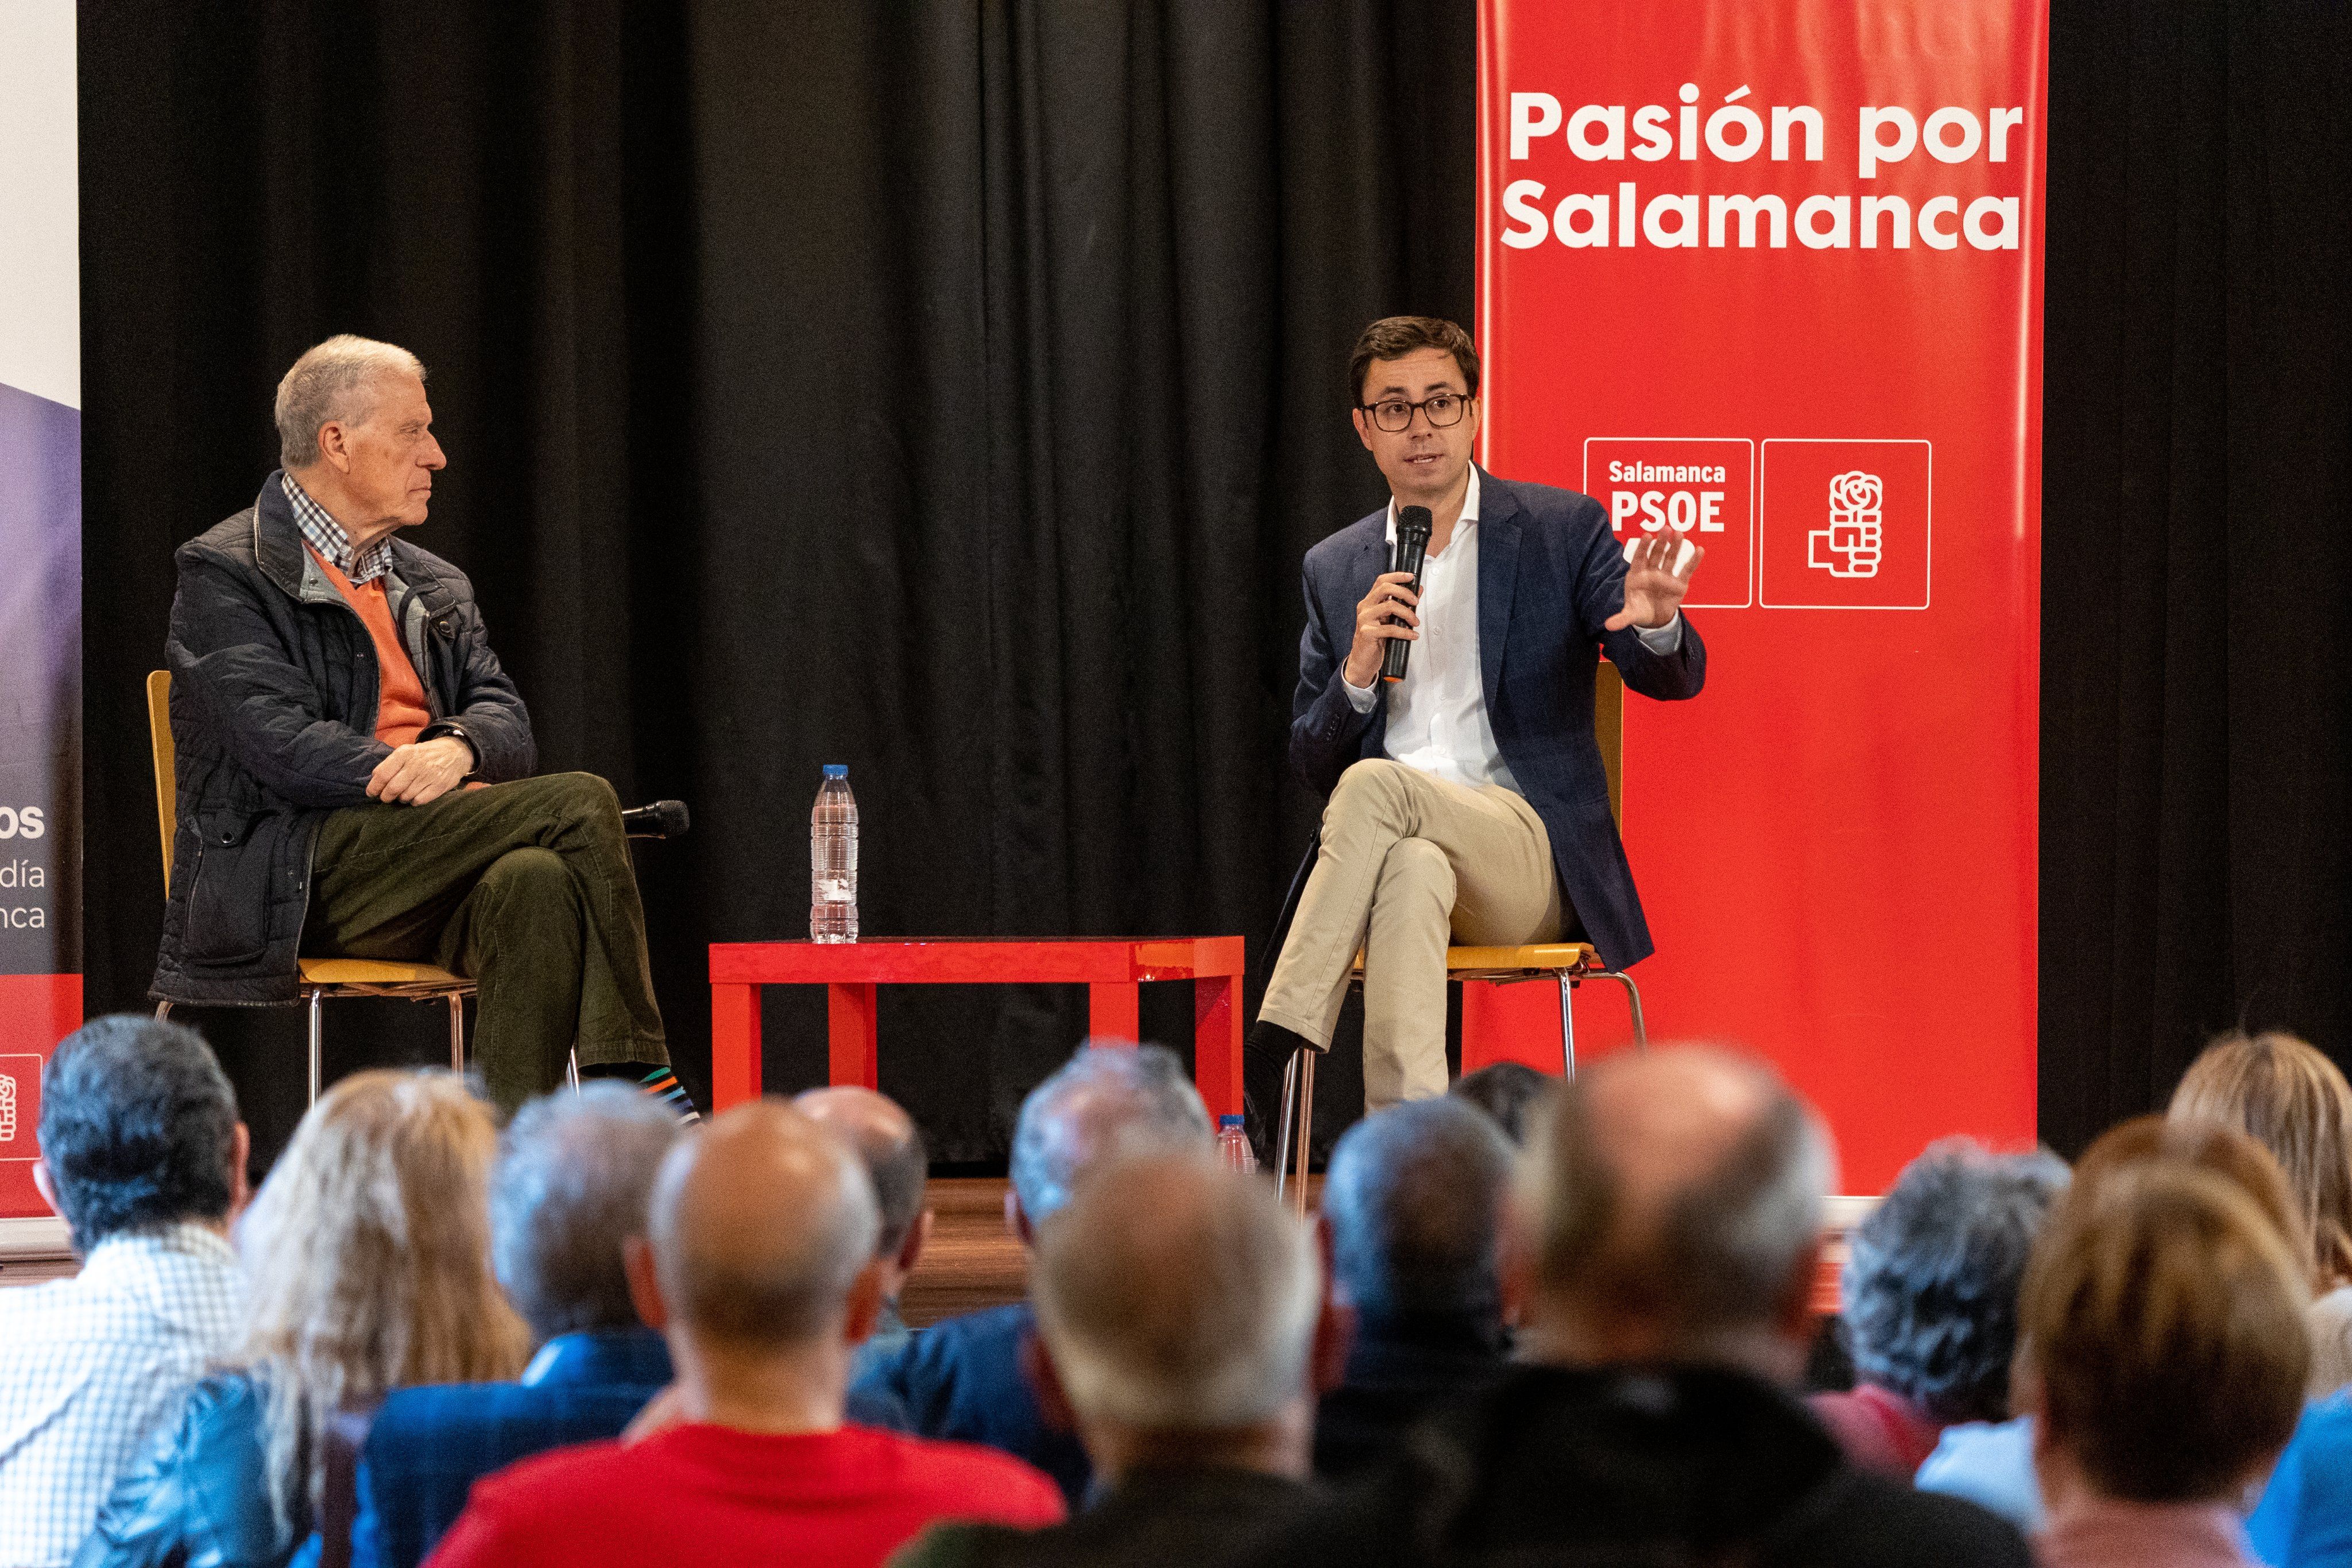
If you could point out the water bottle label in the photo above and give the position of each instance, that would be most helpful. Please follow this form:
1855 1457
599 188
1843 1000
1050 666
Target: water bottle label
834 889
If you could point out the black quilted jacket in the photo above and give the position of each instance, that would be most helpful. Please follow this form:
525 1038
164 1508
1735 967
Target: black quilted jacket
274 689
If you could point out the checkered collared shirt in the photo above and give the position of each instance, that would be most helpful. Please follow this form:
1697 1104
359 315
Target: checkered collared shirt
88 1364
327 537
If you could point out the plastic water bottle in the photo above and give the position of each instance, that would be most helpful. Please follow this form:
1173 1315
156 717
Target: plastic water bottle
1233 1145
832 859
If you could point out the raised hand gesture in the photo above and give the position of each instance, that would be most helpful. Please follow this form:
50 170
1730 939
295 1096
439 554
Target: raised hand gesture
1654 589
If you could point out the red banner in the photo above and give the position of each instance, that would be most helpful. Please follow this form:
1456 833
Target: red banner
1768 273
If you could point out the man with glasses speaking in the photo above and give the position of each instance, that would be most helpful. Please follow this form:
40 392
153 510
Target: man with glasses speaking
1468 799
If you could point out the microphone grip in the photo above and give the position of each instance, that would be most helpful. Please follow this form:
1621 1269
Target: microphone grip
1412 548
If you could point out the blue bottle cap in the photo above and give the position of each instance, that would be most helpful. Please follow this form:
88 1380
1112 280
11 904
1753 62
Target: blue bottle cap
1224 1121
836 770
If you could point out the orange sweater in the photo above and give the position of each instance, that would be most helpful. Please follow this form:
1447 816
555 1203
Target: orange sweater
400 709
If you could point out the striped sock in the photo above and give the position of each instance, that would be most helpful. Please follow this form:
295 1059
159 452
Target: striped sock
664 1086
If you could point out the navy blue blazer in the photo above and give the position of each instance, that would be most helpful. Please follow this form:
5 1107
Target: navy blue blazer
1549 573
427 1446
960 1378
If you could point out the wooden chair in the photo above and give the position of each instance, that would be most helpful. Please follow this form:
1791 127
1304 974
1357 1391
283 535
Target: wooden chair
322 978
1567 963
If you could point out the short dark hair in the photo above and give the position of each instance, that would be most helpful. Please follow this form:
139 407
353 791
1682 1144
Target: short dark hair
1394 337
1414 1201
138 1123
1931 1284
1505 1090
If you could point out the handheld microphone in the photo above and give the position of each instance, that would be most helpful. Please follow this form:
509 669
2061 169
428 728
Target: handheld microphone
662 819
1411 545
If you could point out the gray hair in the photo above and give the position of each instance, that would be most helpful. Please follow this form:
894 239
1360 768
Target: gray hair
1930 1291
1201 1320
574 1179
1714 1255
329 383
1414 1202
1107 1100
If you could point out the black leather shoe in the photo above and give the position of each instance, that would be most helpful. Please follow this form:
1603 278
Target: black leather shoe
1266 1057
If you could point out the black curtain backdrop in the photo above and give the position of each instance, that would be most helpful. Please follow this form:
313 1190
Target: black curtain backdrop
2197 489
946 390
950 391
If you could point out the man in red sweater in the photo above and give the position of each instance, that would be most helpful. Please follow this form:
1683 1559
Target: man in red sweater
761 1273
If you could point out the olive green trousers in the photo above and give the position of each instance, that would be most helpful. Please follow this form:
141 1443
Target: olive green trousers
525 888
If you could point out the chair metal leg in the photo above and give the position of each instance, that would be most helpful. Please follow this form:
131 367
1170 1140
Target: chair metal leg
317 1037
1305 1120
457 1032
163 1010
571 1070
1634 999
1281 1144
1566 1024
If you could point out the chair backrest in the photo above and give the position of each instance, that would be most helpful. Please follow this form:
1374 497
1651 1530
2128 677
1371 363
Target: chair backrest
159 746
1609 729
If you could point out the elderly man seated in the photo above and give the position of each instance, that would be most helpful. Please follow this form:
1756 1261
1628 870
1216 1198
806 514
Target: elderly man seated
334 703
1187 1351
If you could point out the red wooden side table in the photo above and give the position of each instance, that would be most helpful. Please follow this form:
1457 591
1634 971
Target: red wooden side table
1111 970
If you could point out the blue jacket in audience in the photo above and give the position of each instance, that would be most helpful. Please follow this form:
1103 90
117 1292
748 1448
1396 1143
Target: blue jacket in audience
1991 1465
427 1447
2304 1520
961 1379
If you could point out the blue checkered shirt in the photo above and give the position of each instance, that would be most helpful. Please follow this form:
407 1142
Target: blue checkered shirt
88 1364
327 537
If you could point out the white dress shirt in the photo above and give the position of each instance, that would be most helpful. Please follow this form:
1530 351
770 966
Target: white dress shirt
87 1364
1437 714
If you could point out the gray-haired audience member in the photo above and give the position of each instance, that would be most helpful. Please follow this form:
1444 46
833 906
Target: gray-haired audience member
1509 1091
1413 1208
142 1154
1666 1231
574 1176
759 1267
961 1378
890 1143
1930 1299
1187 1352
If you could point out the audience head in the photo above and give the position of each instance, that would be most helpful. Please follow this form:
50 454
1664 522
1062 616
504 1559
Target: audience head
1413 1202
2164 1343
1671 1210
575 1173
1106 1101
2214 1147
139 1131
1200 1321
367 1258
2292 1101
763 1236
1931 1283
886 1139
1509 1091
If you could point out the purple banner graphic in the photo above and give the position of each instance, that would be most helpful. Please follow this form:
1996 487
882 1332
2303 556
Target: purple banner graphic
40 686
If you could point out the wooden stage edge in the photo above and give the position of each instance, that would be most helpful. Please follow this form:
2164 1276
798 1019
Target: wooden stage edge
974 1262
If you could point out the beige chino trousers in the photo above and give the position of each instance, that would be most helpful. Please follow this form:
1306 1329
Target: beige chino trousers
1408 862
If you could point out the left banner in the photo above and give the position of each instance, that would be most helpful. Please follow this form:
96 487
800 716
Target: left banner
40 573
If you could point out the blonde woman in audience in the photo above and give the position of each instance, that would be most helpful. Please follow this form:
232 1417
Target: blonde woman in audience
366 1266
2296 1102
2164 1365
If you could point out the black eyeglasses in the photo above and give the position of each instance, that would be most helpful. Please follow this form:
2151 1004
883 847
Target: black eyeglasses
1395 414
